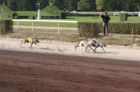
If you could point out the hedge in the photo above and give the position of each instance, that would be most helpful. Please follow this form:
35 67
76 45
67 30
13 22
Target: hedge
123 17
88 29
93 29
6 26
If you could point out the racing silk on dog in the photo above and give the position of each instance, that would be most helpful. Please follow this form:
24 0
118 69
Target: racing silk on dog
83 43
30 39
97 43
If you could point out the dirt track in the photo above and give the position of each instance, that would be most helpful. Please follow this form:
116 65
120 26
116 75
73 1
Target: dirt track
30 72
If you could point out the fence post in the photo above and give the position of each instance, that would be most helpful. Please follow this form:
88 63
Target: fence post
32 26
7 41
58 28
17 24
132 39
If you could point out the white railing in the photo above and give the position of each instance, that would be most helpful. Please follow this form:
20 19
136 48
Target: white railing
51 21
47 21
110 12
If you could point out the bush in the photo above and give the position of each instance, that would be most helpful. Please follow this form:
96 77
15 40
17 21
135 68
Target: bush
63 15
24 15
88 30
2 27
123 17
6 26
124 28
93 29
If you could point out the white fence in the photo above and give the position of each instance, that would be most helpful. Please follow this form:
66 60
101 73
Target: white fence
110 13
45 21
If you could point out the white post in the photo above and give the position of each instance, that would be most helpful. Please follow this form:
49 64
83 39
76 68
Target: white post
32 26
17 24
139 14
58 28
132 38
7 41
38 14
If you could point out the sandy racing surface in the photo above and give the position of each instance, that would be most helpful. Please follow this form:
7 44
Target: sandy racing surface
32 72
43 69
116 52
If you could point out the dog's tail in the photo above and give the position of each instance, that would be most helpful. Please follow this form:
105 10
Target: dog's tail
104 44
22 41
77 45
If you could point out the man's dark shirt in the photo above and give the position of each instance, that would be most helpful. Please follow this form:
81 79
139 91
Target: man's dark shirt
105 18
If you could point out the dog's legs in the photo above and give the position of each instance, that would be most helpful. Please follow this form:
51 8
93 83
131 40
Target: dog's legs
95 48
77 45
92 49
35 44
103 48
86 49
81 49
21 42
31 45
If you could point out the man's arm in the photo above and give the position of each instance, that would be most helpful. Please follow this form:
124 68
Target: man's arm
102 16
109 18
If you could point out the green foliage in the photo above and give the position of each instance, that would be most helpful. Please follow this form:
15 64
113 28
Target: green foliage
113 5
83 5
51 10
124 28
86 5
5 13
43 3
89 30
70 5
99 4
28 13
132 5
6 26
58 3
127 5
63 15
21 4
25 14
123 17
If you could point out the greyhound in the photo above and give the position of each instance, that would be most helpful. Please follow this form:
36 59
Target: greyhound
90 44
30 40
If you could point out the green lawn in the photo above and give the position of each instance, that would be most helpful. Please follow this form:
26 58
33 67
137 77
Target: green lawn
114 19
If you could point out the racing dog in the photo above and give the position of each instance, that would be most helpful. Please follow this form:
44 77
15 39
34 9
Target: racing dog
90 44
30 40
98 43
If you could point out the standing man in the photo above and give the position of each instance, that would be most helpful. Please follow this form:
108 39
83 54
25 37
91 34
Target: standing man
106 20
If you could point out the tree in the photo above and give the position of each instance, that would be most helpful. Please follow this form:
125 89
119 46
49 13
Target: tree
127 5
112 5
132 5
58 3
70 4
99 4
12 4
43 3
82 5
1 2
87 5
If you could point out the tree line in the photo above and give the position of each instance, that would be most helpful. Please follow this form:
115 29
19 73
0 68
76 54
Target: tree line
78 5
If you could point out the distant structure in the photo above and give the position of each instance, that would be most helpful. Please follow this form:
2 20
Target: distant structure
50 4
38 12
139 14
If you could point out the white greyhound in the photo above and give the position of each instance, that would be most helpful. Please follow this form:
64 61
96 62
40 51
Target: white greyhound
89 44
